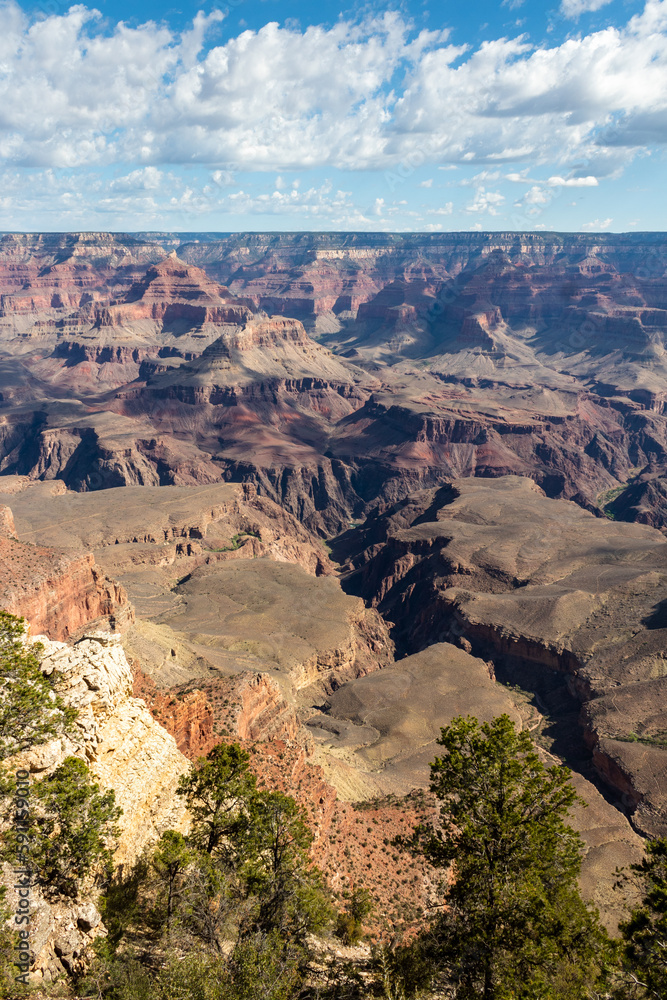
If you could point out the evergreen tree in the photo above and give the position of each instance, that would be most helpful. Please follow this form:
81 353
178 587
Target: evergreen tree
350 923
514 924
31 710
73 826
289 893
251 856
645 933
170 862
217 791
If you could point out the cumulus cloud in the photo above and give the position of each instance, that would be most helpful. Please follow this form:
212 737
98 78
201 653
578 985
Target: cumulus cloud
486 201
145 179
588 181
575 8
73 93
597 226
142 102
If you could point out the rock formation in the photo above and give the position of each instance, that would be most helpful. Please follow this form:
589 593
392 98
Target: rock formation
540 355
57 592
546 591
188 417
128 751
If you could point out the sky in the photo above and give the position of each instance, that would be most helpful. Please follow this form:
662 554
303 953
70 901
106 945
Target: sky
258 115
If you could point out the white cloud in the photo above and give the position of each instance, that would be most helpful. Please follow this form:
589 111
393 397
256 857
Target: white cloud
77 95
486 201
427 184
536 196
588 181
144 179
72 93
574 8
484 177
596 226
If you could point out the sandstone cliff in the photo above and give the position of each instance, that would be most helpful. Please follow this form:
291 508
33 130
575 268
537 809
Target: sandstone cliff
57 592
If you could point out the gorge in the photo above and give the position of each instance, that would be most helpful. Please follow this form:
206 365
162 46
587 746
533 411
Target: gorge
320 493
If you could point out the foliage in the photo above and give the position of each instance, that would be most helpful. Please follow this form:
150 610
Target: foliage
350 923
8 952
289 895
170 862
31 710
238 897
257 842
122 903
216 791
256 970
513 924
74 824
645 933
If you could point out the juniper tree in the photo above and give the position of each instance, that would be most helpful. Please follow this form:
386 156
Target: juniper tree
170 861
73 828
216 792
253 853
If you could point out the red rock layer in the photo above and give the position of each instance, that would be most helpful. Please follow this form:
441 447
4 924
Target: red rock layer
58 593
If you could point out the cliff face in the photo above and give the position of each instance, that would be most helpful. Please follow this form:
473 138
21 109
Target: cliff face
128 751
119 739
453 355
58 593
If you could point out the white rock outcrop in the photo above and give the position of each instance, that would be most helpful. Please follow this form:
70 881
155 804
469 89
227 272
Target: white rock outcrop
127 750
125 747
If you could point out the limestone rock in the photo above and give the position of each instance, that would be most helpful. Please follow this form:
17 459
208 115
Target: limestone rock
7 526
125 747
127 750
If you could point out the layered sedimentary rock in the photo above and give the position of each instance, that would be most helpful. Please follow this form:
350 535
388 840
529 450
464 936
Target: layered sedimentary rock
543 589
163 526
57 592
483 354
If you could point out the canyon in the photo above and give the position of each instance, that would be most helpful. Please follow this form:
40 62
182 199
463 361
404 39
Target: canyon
323 492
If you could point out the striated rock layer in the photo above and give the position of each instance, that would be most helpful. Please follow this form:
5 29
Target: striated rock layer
545 590
436 357
57 592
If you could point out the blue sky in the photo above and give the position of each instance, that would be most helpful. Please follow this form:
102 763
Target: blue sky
286 115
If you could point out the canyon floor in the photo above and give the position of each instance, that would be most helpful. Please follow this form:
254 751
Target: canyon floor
333 490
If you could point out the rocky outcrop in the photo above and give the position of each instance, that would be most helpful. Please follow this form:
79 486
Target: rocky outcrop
7 526
128 751
117 736
59 593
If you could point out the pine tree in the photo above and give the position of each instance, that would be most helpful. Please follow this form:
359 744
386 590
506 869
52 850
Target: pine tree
31 710
645 933
216 791
513 922
170 862
73 828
